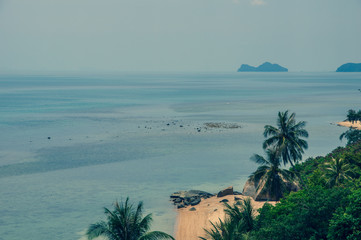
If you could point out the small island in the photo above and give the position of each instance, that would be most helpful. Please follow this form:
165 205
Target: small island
265 67
349 67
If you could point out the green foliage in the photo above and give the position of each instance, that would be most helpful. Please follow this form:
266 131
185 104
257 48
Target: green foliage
353 116
317 178
346 222
223 230
125 222
269 176
352 136
302 215
337 172
287 136
329 204
239 221
316 171
242 214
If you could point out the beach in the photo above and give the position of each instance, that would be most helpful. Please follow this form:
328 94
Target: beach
110 139
190 225
355 125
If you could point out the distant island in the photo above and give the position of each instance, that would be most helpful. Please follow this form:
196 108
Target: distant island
265 67
349 67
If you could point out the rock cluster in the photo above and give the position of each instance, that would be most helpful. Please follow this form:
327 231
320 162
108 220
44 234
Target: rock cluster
189 198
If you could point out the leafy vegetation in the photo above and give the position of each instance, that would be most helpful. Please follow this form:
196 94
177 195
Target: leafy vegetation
269 177
353 116
352 135
328 206
125 222
239 222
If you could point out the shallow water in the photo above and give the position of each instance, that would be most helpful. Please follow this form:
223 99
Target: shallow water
136 135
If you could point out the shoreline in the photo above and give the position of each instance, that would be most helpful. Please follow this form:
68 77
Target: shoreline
355 125
190 224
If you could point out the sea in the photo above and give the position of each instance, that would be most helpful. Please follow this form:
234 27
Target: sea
71 145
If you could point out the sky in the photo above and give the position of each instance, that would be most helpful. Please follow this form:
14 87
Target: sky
100 36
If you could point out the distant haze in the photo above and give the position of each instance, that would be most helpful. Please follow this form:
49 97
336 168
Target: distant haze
177 35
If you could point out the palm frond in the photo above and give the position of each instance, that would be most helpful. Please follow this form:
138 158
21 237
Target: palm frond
155 235
270 131
287 136
99 229
259 159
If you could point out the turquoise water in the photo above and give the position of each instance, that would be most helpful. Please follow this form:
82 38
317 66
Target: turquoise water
136 135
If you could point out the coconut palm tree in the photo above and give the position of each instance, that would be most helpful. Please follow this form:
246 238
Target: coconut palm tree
125 223
270 179
287 136
352 136
223 230
239 221
242 213
338 172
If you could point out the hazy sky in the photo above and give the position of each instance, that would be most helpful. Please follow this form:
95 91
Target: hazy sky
177 35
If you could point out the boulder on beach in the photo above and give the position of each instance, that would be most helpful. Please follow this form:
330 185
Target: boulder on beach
254 190
225 192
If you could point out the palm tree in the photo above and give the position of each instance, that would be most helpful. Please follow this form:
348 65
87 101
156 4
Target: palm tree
270 179
287 136
352 136
243 215
338 172
352 116
125 223
223 230
239 221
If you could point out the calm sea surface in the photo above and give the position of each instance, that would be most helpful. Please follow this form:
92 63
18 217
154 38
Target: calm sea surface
71 145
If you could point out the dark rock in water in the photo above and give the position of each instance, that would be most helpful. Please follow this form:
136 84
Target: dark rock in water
224 200
349 67
49 137
222 125
186 198
265 67
191 193
225 192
